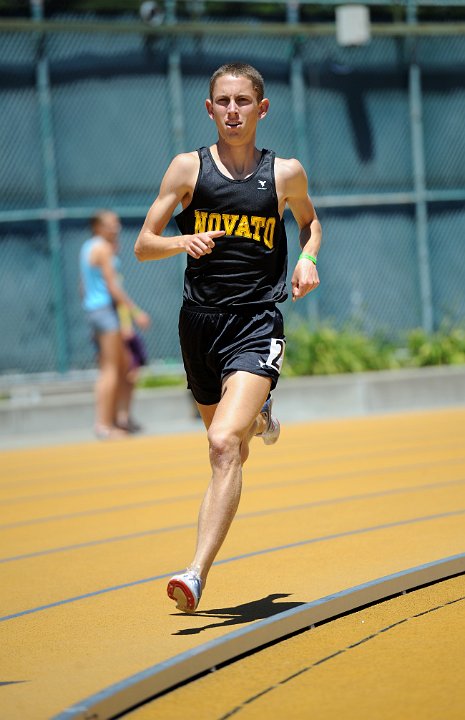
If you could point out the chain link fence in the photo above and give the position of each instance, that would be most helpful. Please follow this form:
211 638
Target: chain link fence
117 107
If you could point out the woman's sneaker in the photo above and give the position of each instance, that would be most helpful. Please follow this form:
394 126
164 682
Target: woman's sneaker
186 590
272 428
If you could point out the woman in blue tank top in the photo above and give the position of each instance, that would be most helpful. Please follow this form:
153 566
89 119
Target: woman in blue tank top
101 294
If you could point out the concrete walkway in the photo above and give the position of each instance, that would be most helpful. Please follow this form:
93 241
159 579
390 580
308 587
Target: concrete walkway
61 410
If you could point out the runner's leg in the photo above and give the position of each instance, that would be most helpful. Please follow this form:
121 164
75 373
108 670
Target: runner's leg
230 426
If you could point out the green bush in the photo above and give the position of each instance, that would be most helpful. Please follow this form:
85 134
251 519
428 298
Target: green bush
156 381
444 347
328 351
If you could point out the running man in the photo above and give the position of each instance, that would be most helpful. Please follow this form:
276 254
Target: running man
232 339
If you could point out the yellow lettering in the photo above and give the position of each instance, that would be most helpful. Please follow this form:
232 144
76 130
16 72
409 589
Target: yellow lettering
263 228
257 222
268 234
244 228
200 221
229 223
214 218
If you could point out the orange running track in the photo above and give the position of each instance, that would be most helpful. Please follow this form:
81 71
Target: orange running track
90 533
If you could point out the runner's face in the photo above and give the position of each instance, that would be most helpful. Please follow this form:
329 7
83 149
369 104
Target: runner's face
235 108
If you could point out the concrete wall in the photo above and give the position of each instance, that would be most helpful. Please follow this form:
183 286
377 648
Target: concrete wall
50 413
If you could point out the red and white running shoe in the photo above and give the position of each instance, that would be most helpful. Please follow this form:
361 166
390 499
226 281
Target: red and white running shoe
186 590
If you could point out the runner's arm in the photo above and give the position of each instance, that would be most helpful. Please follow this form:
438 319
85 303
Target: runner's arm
305 277
177 187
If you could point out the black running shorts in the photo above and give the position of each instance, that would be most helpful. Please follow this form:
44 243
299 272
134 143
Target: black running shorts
215 343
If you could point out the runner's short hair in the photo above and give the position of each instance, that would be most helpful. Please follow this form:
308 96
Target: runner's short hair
239 69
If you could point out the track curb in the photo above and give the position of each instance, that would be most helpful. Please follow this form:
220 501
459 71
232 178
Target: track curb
126 694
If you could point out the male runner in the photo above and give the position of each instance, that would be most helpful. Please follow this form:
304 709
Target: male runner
233 198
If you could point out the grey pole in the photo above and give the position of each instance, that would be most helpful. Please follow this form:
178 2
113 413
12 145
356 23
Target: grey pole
418 159
51 192
299 117
176 100
178 136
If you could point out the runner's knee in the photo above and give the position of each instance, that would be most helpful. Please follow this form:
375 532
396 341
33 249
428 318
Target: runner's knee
225 446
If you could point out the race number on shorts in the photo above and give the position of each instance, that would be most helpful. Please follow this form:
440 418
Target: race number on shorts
276 356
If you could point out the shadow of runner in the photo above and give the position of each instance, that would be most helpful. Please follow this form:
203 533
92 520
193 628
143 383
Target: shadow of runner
241 614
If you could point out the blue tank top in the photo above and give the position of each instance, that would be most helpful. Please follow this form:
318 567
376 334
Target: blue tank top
249 263
96 294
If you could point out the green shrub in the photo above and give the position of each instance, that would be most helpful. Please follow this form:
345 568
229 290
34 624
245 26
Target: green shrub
444 347
156 381
328 351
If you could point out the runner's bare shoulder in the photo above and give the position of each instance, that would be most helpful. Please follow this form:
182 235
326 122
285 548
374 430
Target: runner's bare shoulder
288 168
184 168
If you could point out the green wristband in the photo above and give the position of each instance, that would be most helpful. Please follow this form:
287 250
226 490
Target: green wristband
306 256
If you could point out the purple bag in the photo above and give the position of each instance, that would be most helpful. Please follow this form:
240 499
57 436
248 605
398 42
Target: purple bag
137 348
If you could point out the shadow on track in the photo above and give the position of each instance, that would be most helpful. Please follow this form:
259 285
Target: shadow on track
240 614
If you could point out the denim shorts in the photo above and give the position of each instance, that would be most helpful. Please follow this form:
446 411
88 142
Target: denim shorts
103 320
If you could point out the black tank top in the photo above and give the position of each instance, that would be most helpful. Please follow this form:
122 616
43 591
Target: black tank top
248 264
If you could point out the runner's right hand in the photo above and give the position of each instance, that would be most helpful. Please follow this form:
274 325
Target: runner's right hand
201 243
